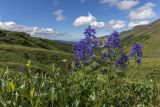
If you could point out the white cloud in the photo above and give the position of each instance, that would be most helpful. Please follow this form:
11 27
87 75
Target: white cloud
88 20
127 4
109 2
143 12
96 24
59 15
136 23
120 4
116 24
84 20
32 30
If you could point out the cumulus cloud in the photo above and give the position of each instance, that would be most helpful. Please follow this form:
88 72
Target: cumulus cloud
59 15
32 30
121 4
88 20
143 12
116 24
96 24
84 20
136 23
127 4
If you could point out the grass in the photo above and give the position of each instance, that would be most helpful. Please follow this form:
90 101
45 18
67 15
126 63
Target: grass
15 56
58 88
148 70
139 85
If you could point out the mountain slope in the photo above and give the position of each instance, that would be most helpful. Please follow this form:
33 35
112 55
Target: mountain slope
148 35
23 39
16 48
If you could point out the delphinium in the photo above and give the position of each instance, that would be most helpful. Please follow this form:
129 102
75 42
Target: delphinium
113 41
23 69
136 52
84 48
122 61
114 56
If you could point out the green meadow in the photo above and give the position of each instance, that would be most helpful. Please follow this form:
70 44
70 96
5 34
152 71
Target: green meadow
50 79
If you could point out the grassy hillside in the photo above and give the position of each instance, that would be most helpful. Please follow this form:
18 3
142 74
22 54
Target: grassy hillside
148 35
23 39
18 47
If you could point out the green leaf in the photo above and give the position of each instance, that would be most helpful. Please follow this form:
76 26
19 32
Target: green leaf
11 86
32 93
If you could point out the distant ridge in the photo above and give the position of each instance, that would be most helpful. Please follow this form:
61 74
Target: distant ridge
24 39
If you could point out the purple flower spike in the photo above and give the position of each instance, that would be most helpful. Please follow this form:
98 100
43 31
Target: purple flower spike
84 48
137 52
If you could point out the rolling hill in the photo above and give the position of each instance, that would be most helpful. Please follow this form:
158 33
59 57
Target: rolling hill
16 48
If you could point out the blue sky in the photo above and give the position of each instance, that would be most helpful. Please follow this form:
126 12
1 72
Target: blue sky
67 19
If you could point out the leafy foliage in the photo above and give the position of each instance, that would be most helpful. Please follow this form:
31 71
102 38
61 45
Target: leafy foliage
76 89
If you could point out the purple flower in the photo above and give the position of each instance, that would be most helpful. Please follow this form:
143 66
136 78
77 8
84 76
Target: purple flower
94 43
136 52
84 48
139 61
109 54
112 46
113 40
23 69
122 61
105 55
90 33
76 64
